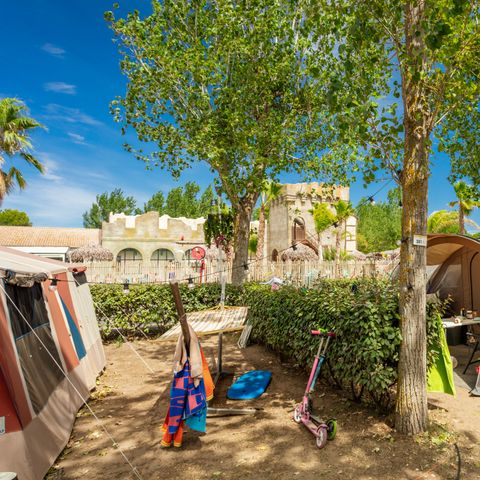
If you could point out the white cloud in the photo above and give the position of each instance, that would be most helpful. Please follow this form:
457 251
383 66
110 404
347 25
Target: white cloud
69 115
53 50
76 138
60 87
52 204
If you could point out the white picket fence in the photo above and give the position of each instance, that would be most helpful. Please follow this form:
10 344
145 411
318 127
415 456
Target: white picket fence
301 273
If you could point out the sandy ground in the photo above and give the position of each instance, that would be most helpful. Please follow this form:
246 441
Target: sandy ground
131 402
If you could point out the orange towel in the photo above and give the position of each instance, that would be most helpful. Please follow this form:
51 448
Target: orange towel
207 377
176 437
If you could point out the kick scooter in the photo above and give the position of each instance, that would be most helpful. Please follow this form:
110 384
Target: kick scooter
322 430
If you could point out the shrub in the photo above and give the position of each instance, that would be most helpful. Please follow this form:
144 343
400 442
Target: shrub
150 307
364 314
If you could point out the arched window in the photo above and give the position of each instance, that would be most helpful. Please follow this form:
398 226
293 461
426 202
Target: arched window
129 255
162 255
275 256
298 229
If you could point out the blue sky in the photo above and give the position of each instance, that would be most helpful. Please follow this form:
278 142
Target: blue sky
59 58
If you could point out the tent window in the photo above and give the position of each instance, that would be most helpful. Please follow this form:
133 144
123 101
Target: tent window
36 348
32 305
80 278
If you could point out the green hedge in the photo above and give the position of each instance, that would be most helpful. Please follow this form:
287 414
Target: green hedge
364 314
150 308
364 356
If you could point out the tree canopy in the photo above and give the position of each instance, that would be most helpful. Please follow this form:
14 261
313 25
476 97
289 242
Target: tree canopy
236 85
106 203
182 201
467 200
14 218
379 225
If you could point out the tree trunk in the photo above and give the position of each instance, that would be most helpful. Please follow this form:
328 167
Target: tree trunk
320 249
261 234
411 412
241 237
461 218
338 247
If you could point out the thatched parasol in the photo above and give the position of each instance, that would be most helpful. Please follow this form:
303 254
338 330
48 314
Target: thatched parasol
300 253
90 253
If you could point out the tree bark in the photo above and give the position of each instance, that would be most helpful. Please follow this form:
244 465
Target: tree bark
461 218
320 248
261 233
338 247
411 412
243 214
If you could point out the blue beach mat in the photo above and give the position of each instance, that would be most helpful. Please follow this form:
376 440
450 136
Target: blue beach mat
250 385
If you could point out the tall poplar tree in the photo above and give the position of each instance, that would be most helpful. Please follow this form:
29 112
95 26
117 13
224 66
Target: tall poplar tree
235 85
426 54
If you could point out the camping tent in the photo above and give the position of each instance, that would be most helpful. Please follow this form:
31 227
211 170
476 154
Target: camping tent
454 270
50 356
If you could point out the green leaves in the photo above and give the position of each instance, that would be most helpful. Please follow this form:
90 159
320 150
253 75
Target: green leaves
379 225
106 203
323 217
364 355
15 127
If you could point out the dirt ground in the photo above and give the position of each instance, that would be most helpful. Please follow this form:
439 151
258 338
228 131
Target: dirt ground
131 402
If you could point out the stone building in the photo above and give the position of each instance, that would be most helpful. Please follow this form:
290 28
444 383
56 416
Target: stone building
291 220
151 237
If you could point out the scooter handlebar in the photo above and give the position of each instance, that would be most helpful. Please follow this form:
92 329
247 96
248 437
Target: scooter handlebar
323 333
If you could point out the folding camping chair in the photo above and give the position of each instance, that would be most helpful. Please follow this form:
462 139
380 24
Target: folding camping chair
473 337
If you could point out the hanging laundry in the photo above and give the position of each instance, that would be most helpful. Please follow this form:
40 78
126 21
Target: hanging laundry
192 387
198 422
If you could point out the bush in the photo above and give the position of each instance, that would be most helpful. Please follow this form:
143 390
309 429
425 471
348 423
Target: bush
150 308
364 314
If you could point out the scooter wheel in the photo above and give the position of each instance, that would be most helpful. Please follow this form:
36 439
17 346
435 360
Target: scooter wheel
331 428
321 436
297 414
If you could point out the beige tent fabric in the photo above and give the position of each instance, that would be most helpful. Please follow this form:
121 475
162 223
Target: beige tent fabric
35 448
31 451
458 272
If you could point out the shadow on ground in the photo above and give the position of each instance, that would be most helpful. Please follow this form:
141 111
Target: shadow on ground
131 402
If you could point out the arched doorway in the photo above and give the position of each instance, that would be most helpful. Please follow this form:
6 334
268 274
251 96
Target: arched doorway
162 255
129 260
298 229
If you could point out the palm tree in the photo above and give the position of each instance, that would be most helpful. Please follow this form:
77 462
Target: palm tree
14 140
466 201
323 218
271 190
344 210
446 221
